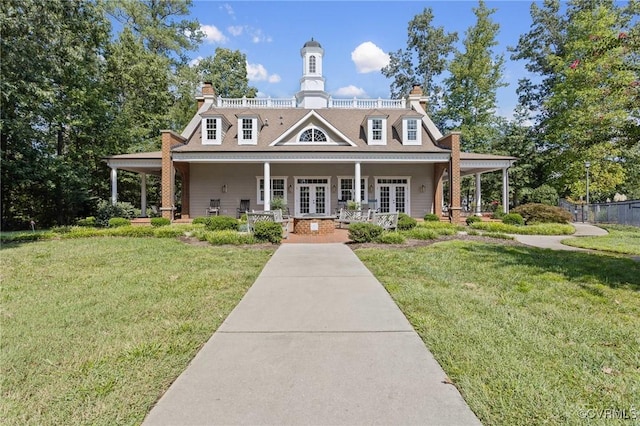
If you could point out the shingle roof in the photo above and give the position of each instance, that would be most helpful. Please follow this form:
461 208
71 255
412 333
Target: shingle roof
277 122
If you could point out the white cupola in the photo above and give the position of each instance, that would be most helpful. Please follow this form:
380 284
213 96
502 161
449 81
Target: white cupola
312 94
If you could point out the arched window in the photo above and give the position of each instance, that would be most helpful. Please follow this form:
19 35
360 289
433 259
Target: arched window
313 135
312 64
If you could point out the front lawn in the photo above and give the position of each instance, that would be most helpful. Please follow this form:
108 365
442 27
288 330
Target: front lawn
529 336
621 239
94 330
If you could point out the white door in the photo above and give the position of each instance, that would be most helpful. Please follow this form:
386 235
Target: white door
393 195
312 196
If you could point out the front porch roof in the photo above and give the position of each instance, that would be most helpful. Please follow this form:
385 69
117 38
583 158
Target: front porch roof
472 163
140 162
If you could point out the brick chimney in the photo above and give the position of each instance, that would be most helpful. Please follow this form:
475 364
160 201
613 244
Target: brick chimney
208 92
416 91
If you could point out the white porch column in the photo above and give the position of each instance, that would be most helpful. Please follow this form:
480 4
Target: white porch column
478 196
114 185
143 194
356 184
505 190
267 186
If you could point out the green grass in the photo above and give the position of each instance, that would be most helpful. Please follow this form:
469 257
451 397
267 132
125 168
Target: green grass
529 336
94 330
621 239
535 229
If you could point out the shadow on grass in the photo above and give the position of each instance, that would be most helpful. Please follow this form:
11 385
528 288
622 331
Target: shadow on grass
615 272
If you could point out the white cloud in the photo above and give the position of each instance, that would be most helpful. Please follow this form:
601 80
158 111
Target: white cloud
227 7
369 58
258 37
351 91
212 34
257 72
235 30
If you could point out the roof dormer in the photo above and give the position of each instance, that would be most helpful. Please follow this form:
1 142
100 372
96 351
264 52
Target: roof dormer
375 125
248 127
410 127
213 128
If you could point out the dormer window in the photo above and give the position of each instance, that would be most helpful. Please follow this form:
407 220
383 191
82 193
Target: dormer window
313 135
247 130
411 134
377 130
211 131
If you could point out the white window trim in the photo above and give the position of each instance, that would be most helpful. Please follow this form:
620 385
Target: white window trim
203 126
365 192
370 140
254 131
258 195
309 143
297 186
376 188
405 132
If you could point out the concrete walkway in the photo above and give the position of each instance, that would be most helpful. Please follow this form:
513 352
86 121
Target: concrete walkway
554 241
316 340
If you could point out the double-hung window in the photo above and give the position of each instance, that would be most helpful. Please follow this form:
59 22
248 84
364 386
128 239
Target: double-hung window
411 134
247 130
211 131
348 191
377 130
278 189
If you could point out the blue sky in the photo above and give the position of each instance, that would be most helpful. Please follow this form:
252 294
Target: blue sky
356 37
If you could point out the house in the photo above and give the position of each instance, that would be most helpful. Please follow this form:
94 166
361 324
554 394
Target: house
312 150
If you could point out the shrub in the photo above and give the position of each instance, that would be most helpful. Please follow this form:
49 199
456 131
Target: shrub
498 213
200 220
421 233
542 213
278 204
167 232
431 217
364 232
544 194
88 221
406 222
535 229
130 231
21 237
391 238
116 222
226 237
222 223
513 219
268 231
473 219
82 232
160 221
107 210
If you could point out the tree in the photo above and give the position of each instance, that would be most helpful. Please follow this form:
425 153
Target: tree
475 76
587 103
227 71
54 115
424 59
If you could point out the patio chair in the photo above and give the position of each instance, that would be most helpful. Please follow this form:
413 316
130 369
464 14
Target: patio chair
214 208
245 206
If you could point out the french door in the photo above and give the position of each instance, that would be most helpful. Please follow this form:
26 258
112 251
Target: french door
312 196
393 195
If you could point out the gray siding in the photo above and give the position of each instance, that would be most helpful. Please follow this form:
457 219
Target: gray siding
207 181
